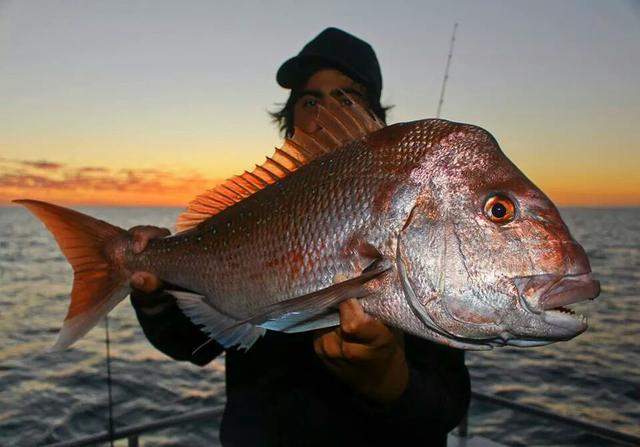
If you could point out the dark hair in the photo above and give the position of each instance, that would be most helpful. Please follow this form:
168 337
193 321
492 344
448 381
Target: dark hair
284 116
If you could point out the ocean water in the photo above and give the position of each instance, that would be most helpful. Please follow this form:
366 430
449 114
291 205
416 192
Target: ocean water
46 398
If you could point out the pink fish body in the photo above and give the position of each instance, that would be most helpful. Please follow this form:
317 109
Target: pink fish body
427 223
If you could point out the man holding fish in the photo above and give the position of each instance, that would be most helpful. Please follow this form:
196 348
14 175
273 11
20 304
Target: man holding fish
381 382
339 274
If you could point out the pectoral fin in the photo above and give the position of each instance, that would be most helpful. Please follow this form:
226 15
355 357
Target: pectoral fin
292 323
313 311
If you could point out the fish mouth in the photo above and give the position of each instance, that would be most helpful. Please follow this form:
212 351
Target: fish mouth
545 292
547 296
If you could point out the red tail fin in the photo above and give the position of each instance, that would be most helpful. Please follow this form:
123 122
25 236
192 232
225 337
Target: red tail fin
98 284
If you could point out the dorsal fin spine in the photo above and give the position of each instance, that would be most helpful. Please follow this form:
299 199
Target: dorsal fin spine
232 191
244 184
207 197
203 206
225 197
333 137
355 121
261 183
300 149
242 190
284 170
274 177
310 143
358 114
325 125
293 160
211 202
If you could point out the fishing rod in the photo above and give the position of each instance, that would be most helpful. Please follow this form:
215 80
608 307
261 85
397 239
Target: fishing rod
446 70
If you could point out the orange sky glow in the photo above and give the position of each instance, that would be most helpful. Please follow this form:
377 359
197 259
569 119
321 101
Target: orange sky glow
150 104
91 185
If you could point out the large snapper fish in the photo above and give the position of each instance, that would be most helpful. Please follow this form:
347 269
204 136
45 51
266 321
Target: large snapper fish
427 223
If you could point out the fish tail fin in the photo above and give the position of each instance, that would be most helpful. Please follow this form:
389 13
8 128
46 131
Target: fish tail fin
99 283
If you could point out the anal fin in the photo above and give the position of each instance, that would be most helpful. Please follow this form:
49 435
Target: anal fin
220 327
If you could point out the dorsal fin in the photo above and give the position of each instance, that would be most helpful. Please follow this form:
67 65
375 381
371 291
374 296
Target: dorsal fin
338 126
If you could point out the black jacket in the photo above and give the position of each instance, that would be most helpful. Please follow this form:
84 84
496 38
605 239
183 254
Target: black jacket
280 394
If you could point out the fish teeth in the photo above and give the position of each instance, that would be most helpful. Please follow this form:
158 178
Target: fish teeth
566 310
570 312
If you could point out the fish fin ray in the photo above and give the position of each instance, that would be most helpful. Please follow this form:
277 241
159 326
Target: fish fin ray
98 284
363 120
302 322
338 126
296 310
76 327
217 325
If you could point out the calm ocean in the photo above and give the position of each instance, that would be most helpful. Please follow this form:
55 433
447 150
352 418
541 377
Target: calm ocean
51 397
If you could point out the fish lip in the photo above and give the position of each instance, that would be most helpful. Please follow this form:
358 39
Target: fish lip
570 289
546 291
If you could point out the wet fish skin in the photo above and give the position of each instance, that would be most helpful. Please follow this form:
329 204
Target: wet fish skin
409 198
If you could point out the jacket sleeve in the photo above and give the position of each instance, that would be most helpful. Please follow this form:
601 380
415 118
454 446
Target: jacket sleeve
439 386
170 331
437 396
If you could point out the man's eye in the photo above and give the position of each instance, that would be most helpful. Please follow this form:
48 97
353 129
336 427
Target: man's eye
308 103
347 102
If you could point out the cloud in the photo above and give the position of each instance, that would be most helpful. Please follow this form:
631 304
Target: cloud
46 165
92 169
54 181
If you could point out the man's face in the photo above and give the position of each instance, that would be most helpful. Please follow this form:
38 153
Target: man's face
321 85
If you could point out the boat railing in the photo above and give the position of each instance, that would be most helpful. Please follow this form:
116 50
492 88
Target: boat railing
132 433
589 427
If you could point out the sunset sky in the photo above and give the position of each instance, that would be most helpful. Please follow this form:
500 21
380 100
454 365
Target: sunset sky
150 102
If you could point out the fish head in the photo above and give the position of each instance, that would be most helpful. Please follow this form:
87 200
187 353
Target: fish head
485 258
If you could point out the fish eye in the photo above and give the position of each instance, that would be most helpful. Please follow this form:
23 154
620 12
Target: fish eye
499 209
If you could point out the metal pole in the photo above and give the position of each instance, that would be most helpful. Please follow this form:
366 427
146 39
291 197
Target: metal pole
463 427
107 342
